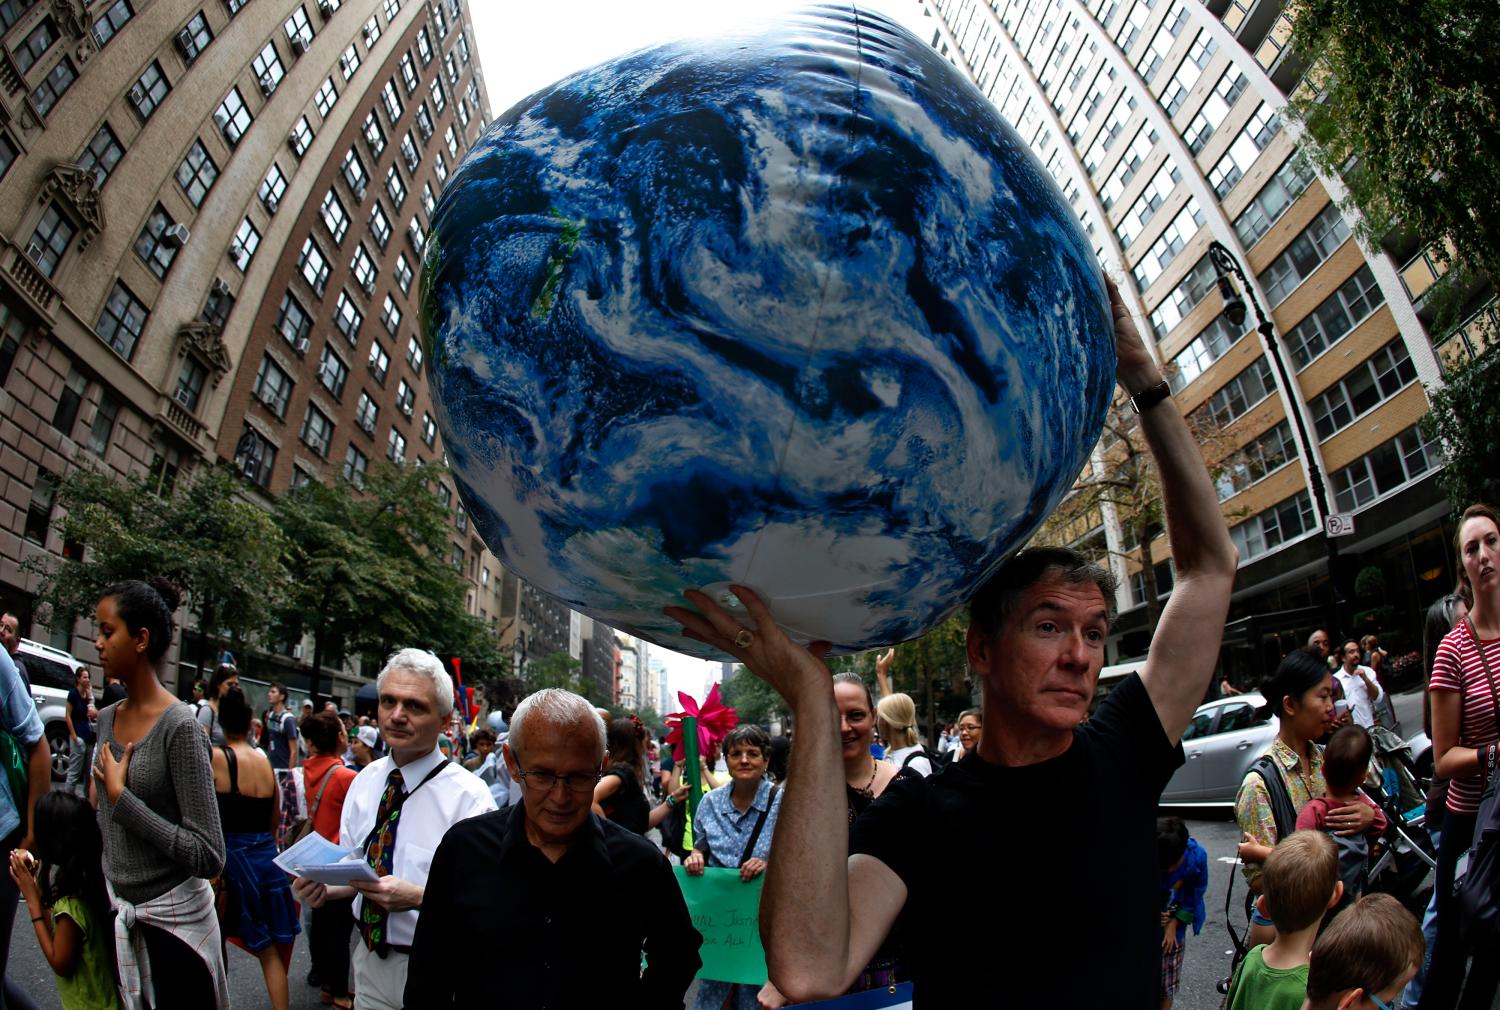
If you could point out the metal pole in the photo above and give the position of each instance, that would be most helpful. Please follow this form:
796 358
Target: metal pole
1225 262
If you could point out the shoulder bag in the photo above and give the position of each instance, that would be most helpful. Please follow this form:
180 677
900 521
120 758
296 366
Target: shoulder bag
1476 885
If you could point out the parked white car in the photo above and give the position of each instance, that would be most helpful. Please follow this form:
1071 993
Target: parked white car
52 673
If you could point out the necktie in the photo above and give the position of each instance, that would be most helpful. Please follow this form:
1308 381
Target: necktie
381 856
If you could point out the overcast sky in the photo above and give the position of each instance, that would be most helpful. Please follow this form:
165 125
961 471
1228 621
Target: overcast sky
525 46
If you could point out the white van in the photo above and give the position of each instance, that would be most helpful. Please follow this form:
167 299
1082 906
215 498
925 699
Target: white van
1112 675
52 673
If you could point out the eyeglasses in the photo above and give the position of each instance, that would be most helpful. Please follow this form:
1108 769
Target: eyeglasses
544 781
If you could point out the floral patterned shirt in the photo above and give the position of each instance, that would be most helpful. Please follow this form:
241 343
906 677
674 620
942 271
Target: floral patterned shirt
1252 807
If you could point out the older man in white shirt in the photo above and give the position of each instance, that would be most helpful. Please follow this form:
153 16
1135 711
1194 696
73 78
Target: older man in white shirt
396 812
1361 689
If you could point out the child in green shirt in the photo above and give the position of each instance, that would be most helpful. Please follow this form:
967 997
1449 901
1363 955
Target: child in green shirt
67 901
1300 882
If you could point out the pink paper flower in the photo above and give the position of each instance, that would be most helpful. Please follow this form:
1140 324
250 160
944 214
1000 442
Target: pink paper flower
715 720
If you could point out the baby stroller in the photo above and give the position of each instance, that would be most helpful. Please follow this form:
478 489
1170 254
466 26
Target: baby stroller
1407 852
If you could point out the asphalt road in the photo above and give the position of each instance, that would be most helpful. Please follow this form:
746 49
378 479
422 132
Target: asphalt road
1205 962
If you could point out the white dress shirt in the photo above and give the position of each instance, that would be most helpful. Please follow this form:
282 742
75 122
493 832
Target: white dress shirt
1361 702
453 794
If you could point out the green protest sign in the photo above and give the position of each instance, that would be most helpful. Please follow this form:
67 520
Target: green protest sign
726 910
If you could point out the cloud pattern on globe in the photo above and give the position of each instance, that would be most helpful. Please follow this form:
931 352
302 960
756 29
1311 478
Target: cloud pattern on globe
792 307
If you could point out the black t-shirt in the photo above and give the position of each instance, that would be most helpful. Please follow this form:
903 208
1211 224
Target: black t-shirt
627 807
1052 868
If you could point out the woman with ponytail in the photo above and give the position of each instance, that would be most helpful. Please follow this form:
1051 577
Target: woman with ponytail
157 812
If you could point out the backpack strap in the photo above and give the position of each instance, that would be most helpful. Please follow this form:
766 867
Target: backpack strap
327 777
1281 800
760 822
234 769
920 752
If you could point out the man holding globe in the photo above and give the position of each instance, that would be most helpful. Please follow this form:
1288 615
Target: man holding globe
1052 821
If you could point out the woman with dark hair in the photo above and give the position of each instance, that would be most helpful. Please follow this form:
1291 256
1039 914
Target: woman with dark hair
162 839
1464 692
732 829
1300 695
621 793
864 777
225 676
326 783
260 915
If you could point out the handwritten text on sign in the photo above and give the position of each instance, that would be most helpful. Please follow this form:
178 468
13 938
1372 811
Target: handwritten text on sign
726 911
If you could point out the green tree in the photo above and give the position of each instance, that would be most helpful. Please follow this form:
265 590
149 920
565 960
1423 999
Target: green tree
933 669
220 549
1403 102
555 670
1464 417
753 699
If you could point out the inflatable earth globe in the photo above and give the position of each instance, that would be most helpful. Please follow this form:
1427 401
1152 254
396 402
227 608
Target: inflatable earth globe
792 308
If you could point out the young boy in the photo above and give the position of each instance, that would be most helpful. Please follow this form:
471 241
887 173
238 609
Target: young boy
1300 883
1365 958
1184 881
1346 760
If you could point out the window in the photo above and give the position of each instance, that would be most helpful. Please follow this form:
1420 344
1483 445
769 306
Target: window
1127 31
102 155
197 173
335 217
406 397
273 387
268 69
1231 85
1238 395
233 118
462 45
46 94
439 20
326 97
65 416
1130 163
395 187
293 322
1387 372
429 202
301 137
450 139
414 354
39 510
461 520
1273 527
242 248
356 464
53 234
158 242
314 265
12 331
257 459
332 371
392 101
417 236
121 322
103 425
424 122
392 8
450 69
380 225
1263 125
1245 466
347 317
445 496
1340 312
355 174
300 476
218 304
409 153
1307 251
35 45
1187 73
1207 347
395 448
108 24
380 362
272 188
298 30
374 136
390 315
365 413
194 38
429 430
12 10
1144 209
438 95
371 32
8 155
403 274
349 61
1279 193
424 46
440 168
190 383
1386 468
1165 249
409 74
317 430
364 268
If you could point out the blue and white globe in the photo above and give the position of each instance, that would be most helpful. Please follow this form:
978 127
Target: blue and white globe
793 308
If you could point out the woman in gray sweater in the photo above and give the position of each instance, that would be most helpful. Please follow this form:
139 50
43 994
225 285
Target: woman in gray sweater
158 814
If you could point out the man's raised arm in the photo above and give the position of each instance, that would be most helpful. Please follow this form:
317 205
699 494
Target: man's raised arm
819 932
1185 648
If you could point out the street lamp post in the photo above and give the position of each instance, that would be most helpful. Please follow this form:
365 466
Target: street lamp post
1225 264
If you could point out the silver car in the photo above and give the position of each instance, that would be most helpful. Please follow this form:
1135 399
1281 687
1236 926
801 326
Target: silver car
1220 744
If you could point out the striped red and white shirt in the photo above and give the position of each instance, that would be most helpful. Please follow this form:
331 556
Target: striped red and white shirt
1458 668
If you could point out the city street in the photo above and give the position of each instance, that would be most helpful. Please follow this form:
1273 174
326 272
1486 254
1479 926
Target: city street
1206 961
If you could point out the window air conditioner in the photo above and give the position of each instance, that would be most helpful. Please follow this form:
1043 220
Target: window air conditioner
176 235
299 45
272 202
221 119
326 7
267 84
301 345
137 95
185 44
